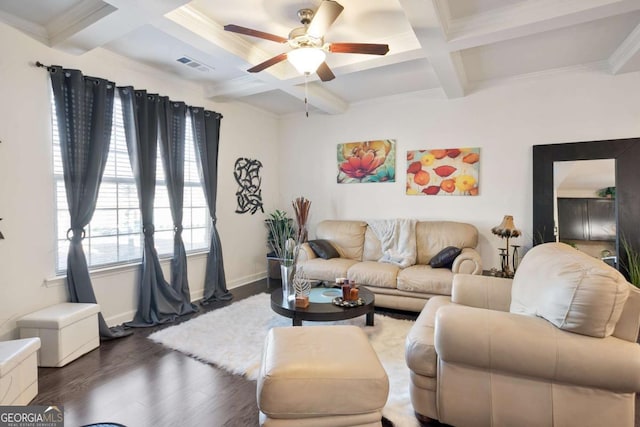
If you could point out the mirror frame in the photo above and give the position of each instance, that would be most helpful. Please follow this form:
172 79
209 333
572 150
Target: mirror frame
625 152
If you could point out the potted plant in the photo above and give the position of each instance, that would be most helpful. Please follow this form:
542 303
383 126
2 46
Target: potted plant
281 241
280 229
632 263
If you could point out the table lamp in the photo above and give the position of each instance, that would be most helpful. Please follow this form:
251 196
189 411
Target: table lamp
506 229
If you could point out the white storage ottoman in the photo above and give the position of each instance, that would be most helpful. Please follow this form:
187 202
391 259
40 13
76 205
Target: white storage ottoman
67 331
18 371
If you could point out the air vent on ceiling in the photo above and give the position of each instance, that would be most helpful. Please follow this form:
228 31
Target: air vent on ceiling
197 65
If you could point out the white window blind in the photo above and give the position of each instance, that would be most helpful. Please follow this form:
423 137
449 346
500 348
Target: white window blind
114 235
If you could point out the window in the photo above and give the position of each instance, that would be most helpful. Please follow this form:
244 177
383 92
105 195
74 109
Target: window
114 235
195 221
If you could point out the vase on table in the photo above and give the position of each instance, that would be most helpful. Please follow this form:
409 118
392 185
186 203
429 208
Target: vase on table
288 292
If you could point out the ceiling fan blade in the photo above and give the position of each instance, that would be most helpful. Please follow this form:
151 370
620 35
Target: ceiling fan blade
268 63
325 73
254 33
326 15
368 48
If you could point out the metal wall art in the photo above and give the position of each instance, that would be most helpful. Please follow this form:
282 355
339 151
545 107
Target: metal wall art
249 194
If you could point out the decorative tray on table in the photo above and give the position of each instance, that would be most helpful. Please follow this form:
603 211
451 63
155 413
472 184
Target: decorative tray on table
340 302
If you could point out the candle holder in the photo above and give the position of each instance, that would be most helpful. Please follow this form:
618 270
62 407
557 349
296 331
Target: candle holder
515 260
504 261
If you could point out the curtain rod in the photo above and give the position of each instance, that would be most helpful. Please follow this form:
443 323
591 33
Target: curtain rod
50 67
41 65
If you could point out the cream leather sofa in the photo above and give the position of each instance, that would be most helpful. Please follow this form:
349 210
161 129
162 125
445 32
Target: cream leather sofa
405 289
554 347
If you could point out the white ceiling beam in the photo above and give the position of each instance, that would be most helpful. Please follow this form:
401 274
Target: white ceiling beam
318 97
94 23
427 24
627 56
528 18
235 88
33 30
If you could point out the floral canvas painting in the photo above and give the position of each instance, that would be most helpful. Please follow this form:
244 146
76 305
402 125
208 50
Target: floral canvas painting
443 172
367 161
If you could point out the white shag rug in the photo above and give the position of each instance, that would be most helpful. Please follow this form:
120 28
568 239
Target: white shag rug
232 338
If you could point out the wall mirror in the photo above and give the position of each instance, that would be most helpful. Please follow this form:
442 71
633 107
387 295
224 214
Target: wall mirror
626 155
585 206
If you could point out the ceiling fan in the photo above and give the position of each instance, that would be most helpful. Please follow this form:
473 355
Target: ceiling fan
307 42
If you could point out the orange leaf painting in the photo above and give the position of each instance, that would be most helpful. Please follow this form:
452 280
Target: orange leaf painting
443 172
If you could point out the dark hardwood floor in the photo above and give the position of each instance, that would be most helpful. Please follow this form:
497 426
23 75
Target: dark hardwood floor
138 383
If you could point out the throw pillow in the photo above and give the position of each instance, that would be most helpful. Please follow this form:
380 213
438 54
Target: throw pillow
324 249
445 257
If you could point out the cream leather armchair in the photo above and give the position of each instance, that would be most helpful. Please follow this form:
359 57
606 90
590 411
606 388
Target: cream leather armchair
554 347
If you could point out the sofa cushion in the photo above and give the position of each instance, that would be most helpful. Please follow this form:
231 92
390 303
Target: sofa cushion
380 274
425 279
323 248
445 257
434 236
372 246
326 269
346 236
570 289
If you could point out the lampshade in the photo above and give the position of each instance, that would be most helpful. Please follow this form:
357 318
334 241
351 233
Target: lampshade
306 59
506 228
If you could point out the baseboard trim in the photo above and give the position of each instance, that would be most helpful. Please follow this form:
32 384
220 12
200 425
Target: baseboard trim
247 279
196 296
120 318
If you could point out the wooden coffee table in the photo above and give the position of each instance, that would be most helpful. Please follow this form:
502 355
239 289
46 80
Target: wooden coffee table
324 311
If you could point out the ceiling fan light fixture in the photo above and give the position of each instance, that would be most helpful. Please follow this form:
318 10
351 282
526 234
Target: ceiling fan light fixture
306 59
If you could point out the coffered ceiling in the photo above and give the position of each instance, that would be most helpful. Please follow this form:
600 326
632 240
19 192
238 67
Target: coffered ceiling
448 47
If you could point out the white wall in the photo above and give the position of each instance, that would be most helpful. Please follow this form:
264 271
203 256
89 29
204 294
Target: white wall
27 275
505 121
299 157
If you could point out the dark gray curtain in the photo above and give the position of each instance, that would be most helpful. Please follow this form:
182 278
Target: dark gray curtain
172 118
206 133
84 107
158 302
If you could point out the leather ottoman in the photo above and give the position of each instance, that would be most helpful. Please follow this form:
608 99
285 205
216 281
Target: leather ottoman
67 331
18 371
320 376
